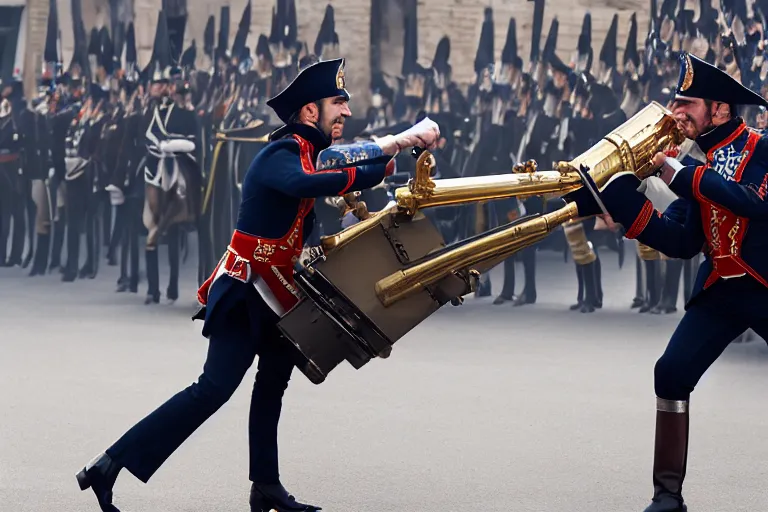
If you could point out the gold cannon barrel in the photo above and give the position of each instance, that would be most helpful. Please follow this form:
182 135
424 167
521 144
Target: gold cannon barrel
494 247
630 147
485 188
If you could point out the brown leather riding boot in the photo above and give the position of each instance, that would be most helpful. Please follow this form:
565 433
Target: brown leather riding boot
670 456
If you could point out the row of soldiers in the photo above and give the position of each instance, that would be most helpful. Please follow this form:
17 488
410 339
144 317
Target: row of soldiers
108 153
163 149
549 111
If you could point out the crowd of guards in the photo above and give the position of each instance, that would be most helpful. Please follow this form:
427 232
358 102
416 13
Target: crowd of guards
111 160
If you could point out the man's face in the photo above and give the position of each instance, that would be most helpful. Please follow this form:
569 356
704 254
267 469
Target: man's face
693 116
761 120
157 89
559 78
333 113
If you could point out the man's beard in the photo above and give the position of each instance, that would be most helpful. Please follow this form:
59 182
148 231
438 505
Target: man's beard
328 131
691 124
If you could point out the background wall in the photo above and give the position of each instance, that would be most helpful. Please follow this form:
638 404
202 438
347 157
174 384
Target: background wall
459 19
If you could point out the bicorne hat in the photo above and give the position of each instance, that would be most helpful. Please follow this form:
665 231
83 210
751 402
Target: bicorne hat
699 79
324 79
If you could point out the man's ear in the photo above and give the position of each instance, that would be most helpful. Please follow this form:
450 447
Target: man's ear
311 113
719 111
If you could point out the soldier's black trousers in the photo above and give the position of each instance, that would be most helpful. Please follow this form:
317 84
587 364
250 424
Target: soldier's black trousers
715 318
128 232
77 210
146 446
173 238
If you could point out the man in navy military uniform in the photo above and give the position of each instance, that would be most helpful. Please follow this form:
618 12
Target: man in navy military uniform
253 284
723 209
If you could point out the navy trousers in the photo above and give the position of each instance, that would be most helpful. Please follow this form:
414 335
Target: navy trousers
713 320
231 352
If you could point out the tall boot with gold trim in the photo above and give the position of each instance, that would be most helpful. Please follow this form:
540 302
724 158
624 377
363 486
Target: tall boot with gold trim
670 456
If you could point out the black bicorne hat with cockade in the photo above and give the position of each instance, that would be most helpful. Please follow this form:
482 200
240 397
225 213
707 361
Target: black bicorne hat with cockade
324 79
699 79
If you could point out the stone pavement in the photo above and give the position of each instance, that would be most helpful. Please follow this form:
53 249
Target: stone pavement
481 408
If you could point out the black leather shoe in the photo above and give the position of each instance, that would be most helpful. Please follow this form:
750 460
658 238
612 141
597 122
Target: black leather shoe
663 310
666 504
100 475
268 497
525 298
501 299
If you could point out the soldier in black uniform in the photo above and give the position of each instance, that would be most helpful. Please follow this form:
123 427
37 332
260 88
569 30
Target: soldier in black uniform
25 120
12 198
39 174
126 183
76 181
63 107
539 142
171 176
240 312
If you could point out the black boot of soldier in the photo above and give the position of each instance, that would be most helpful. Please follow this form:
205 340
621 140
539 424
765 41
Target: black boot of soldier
153 277
269 497
671 288
580 294
100 476
639 299
652 285
508 290
670 456
598 284
40 260
59 227
529 271
484 286
30 254
590 289
92 245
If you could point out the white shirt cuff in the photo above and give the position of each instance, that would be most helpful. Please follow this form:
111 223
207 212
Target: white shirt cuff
674 164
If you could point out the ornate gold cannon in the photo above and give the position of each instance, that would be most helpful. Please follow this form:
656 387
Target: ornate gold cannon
381 277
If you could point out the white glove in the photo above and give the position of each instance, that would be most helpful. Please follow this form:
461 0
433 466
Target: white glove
177 146
424 134
116 196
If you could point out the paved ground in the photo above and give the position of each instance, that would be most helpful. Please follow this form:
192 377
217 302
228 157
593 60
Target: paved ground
481 408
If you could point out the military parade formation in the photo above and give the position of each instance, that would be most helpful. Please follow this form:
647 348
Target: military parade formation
260 156
112 160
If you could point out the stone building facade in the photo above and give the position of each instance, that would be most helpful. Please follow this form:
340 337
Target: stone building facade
459 19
